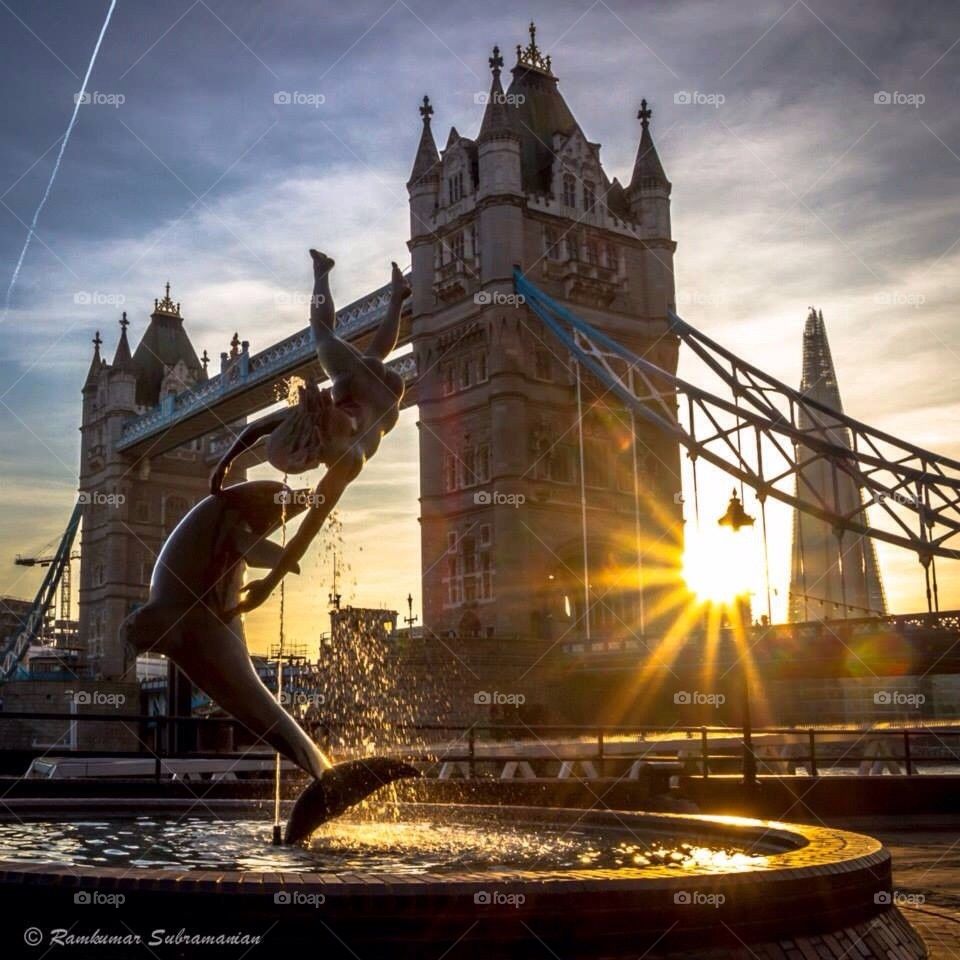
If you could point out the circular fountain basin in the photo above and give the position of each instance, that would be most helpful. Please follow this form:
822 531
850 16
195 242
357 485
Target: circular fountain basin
480 881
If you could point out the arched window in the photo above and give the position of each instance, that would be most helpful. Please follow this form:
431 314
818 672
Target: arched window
589 196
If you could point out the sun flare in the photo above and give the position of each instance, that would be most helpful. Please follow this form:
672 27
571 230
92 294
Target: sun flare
719 565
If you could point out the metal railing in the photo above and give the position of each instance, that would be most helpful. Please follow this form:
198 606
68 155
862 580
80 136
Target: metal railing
698 750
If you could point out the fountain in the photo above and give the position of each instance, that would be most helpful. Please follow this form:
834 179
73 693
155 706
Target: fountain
405 878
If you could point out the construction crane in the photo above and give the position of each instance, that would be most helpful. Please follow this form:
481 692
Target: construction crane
58 567
65 584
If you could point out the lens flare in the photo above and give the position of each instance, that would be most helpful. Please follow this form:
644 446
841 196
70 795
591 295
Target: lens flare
720 565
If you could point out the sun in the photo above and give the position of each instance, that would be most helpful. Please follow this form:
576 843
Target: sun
718 564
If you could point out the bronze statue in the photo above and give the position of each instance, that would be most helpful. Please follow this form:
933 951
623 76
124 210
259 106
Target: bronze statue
341 428
193 614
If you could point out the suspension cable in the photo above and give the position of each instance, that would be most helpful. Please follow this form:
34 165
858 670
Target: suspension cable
936 591
636 523
925 563
766 557
277 827
803 566
583 507
843 575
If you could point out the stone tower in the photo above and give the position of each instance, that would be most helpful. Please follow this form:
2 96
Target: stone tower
822 585
503 546
131 506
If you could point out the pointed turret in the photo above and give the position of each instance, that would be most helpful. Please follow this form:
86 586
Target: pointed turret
426 165
647 169
164 343
122 357
499 162
423 189
537 112
96 365
496 122
648 195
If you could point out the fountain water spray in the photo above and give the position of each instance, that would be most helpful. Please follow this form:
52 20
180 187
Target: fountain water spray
277 824
78 100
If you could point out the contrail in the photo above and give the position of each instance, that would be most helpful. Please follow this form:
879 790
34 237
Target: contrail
56 166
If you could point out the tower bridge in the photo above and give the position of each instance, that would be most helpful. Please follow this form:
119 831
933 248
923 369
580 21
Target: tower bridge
249 382
543 357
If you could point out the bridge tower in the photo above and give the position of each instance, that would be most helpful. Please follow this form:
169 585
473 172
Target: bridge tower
505 549
830 579
129 506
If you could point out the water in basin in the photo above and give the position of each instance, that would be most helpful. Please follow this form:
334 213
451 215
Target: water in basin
407 846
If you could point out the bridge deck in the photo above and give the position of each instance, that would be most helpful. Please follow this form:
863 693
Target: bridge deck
255 381
898 645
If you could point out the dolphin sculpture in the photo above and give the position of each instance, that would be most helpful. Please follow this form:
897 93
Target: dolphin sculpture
190 616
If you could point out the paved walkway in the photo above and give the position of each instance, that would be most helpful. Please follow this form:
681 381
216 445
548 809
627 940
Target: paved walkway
928 864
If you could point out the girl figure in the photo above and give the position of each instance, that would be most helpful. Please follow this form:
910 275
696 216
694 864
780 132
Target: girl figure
341 427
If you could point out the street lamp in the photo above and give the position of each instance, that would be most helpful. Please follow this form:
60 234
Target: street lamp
736 518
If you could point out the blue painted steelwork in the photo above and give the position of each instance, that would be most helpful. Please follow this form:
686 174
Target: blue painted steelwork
915 490
12 653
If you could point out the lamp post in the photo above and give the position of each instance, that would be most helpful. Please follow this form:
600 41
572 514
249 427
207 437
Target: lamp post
410 619
736 518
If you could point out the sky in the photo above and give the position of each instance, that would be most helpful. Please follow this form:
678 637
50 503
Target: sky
814 151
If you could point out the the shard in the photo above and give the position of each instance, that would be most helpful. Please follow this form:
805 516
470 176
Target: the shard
830 578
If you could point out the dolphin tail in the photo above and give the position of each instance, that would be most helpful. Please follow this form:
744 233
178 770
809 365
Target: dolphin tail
339 788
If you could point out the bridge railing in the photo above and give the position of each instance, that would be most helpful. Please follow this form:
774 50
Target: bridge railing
352 321
480 748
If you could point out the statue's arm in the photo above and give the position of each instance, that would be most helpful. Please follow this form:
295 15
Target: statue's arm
244 441
328 492
384 340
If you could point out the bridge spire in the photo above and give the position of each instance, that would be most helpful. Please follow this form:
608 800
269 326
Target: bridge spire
531 57
122 354
96 364
495 120
166 307
647 168
426 164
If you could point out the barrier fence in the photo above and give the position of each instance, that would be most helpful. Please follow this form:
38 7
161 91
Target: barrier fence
697 750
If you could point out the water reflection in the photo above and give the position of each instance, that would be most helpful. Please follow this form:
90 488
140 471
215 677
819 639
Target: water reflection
354 845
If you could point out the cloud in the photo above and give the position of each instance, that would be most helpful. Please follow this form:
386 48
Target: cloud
798 190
